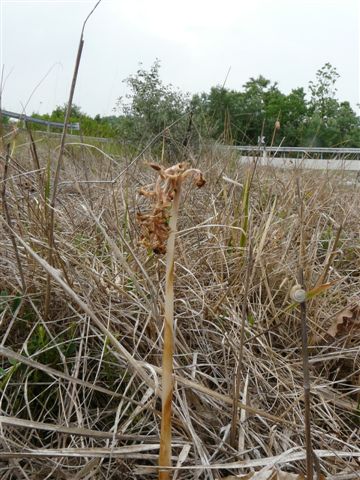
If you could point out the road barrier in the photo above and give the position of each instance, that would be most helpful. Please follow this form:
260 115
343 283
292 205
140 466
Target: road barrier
39 121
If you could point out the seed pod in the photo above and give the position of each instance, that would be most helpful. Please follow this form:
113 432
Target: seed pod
298 294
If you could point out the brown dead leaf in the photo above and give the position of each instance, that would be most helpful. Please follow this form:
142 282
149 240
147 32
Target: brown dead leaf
345 322
314 292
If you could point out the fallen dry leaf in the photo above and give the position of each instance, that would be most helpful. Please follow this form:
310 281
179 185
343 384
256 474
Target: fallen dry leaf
347 321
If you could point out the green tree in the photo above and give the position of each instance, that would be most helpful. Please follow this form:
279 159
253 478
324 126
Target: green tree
323 91
4 120
150 106
217 113
330 123
59 112
291 110
348 125
98 126
241 116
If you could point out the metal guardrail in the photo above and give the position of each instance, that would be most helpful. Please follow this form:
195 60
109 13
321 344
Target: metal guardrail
39 121
263 150
247 148
76 137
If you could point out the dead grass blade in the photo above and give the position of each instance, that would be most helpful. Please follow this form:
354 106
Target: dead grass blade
56 276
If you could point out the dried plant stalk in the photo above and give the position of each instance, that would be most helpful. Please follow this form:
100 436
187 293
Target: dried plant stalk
305 357
51 223
168 348
310 457
159 227
8 220
240 355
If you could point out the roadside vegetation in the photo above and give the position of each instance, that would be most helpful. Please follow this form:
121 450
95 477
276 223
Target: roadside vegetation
80 378
307 117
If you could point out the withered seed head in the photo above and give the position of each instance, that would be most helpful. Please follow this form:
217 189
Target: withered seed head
154 225
200 182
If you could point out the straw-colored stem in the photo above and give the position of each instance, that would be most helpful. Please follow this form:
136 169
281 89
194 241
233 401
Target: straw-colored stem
8 220
168 348
245 210
238 371
51 224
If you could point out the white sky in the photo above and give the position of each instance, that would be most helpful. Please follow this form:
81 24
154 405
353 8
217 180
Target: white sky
196 40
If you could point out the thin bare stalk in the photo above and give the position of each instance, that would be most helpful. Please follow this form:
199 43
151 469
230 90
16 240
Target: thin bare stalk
304 344
306 381
330 258
168 348
59 162
35 160
236 388
157 228
8 220
245 210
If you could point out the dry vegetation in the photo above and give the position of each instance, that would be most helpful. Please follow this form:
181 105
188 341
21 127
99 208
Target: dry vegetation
80 384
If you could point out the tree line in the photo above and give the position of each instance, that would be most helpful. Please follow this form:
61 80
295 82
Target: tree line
259 109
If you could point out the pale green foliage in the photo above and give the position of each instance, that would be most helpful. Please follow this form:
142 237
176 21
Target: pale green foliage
323 90
150 106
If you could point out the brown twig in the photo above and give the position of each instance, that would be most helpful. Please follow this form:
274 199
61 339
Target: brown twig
304 342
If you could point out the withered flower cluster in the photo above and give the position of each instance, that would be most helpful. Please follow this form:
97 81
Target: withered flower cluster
155 225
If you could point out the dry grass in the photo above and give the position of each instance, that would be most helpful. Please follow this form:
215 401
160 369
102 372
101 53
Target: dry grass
80 392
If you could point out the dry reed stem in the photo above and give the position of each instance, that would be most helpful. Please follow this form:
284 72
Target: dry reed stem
310 459
167 192
59 161
238 371
168 349
8 220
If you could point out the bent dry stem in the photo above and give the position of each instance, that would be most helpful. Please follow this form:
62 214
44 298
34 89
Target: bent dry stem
158 233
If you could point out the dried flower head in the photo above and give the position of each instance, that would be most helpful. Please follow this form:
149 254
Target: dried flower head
155 224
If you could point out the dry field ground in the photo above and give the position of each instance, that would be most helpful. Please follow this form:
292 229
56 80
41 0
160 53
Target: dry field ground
81 341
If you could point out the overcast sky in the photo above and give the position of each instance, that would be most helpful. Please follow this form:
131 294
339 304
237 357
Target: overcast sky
197 42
